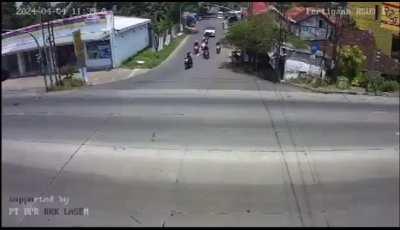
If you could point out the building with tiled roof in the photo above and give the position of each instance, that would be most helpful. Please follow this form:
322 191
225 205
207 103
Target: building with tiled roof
310 23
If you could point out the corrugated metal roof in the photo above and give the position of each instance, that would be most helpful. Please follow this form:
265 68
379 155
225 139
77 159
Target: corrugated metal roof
21 41
121 23
18 46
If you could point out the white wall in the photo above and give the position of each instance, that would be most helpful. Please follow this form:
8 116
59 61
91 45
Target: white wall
128 43
309 29
294 67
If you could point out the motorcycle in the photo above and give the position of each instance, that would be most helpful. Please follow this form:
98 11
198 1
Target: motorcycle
188 63
203 45
206 54
196 49
218 49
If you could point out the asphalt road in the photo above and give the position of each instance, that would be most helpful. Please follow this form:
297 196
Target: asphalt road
192 148
210 73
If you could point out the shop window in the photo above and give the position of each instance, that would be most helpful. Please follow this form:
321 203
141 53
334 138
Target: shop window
98 50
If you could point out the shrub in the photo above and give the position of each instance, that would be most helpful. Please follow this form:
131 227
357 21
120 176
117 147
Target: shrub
351 60
389 86
361 80
72 82
316 82
324 83
391 77
375 83
342 82
68 70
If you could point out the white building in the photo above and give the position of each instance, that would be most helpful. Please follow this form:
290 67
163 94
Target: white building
108 41
310 24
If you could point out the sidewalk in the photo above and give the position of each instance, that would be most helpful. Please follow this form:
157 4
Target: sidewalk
118 74
35 84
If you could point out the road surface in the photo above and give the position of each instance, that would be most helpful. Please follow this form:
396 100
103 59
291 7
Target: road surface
203 147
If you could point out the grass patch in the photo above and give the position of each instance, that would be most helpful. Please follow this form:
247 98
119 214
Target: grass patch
152 59
68 83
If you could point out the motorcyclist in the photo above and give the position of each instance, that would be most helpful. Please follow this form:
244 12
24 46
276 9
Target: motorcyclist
206 53
196 47
188 60
203 45
218 47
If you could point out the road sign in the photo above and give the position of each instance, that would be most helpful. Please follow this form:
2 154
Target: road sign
390 18
315 47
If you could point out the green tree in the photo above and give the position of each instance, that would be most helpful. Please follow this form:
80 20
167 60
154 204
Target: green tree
351 61
256 35
162 14
9 15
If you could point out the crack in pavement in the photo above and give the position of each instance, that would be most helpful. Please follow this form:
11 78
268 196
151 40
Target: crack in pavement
69 160
312 169
135 219
292 141
77 150
273 125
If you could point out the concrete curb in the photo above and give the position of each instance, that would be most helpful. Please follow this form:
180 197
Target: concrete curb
140 71
324 91
338 92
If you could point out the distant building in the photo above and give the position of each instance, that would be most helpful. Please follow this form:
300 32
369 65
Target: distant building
310 23
108 41
256 8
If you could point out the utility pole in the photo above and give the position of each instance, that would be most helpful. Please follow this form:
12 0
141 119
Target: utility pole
279 62
51 56
335 43
53 50
45 52
180 17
